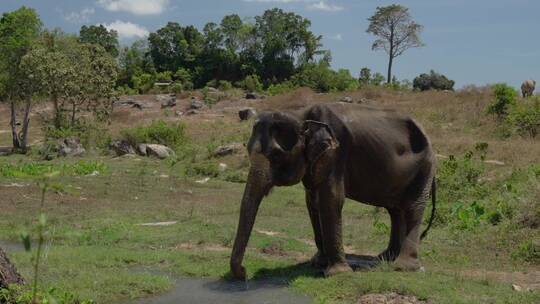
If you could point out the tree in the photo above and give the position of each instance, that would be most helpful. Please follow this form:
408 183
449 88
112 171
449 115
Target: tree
18 30
432 81
98 34
134 60
365 76
396 32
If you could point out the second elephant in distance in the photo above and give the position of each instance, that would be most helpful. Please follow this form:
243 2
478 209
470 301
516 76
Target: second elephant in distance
340 150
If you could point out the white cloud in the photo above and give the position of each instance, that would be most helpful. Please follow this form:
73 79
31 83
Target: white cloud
327 7
127 29
137 7
80 17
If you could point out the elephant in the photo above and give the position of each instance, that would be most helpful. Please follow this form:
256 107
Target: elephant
527 88
340 150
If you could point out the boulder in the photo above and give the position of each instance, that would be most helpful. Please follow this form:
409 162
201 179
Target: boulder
70 146
159 151
167 101
141 105
121 147
192 112
247 113
228 149
196 104
251 95
178 113
347 99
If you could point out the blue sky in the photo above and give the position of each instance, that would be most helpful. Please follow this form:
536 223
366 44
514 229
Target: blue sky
470 41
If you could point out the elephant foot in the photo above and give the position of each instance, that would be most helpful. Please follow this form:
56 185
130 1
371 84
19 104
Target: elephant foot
388 255
319 261
337 268
407 264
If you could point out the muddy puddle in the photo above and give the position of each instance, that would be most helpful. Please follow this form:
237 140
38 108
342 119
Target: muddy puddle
214 291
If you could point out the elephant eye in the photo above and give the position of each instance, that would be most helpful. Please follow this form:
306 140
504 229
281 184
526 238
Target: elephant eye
285 137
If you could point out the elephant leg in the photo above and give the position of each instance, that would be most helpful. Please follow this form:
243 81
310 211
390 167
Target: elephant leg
319 259
407 259
397 235
330 204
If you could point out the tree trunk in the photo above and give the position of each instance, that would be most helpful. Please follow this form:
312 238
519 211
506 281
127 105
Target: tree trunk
26 124
13 123
389 79
8 273
73 109
57 117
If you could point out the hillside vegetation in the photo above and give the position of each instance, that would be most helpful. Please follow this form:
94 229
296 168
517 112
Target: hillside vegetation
484 241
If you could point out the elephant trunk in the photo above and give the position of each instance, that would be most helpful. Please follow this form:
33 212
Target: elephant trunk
257 186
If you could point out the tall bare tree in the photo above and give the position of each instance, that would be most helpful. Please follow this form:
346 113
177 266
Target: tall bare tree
396 32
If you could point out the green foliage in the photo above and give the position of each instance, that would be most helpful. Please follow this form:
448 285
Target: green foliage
320 77
158 132
528 251
91 134
365 76
144 82
205 169
377 79
432 81
100 35
522 118
22 295
504 96
37 170
251 83
281 88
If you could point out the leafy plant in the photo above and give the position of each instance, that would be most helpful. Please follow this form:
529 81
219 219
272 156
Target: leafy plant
504 97
432 81
158 132
524 117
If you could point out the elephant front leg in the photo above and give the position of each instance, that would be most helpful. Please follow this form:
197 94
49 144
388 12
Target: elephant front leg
330 204
319 260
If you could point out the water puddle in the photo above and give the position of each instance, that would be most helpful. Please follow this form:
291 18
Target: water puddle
208 291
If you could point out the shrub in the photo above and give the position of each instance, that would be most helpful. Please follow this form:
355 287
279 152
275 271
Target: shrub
524 117
281 88
158 132
176 87
504 96
343 81
320 77
224 85
206 169
365 76
91 134
251 83
143 83
432 81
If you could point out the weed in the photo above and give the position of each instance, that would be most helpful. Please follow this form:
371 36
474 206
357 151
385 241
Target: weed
158 132
27 170
504 97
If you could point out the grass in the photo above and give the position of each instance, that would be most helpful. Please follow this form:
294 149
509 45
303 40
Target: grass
94 241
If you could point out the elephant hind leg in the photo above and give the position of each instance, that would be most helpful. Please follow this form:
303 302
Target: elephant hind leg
408 255
397 235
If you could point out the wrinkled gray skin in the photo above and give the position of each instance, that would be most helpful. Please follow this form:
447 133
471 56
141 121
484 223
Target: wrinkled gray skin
527 88
341 150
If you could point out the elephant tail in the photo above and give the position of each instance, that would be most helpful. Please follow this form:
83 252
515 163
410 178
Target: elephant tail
433 200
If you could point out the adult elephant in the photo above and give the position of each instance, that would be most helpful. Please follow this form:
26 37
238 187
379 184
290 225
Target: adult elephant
527 88
341 150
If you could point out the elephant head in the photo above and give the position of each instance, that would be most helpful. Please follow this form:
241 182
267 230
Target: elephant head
282 149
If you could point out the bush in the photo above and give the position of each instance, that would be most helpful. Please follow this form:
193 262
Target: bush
143 83
433 81
158 132
251 83
524 117
92 135
224 85
320 77
281 88
176 87
504 96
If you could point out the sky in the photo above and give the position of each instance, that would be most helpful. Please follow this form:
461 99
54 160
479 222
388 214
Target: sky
471 41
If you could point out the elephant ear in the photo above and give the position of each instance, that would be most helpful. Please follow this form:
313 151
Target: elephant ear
321 142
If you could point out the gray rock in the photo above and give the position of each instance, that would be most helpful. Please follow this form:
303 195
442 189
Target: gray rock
167 101
196 104
178 113
141 105
193 112
121 147
228 149
247 113
159 151
347 99
70 146
252 95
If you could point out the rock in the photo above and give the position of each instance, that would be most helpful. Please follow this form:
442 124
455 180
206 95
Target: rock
252 95
141 105
247 113
222 167
158 224
121 147
388 298
178 113
159 151
347 99
70 146
203 181
516 287
193 112
228 149
167 101
196 104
